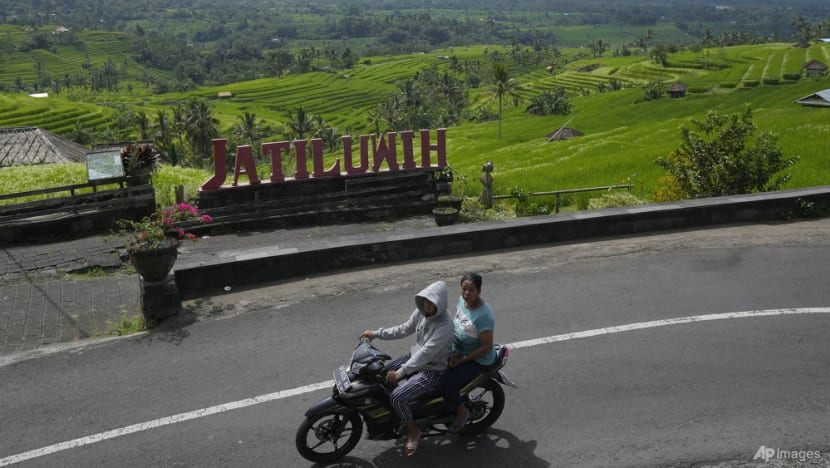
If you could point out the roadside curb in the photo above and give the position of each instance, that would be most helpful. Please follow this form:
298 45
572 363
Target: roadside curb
247 268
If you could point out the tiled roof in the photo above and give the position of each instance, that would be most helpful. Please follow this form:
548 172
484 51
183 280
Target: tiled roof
21 146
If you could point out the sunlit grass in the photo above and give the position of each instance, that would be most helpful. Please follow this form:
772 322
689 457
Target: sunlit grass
623 135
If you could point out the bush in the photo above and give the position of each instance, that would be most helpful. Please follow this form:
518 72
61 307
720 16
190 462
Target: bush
615 199
792 76
472 211
751 84
807 209
167 178
698 89
772 81
718 158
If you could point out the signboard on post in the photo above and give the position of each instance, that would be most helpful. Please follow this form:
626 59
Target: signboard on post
104 165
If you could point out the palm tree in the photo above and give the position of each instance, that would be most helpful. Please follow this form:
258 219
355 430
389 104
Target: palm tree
327 133
374 118
163 137
200 127
143 123
80 134
177 123
300 124
392 112
503 85
250 131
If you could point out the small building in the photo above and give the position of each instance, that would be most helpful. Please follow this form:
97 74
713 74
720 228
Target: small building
23 146
818 99
677 90
564 133
814 68
224 94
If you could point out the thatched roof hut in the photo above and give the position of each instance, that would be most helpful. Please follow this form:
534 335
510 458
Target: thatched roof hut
814 68
22 146
677 90
564 133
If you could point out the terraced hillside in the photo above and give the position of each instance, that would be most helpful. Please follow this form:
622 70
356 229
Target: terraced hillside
64 59
345 99
56 115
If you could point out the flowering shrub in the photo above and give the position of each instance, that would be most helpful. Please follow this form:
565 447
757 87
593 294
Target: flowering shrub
150 231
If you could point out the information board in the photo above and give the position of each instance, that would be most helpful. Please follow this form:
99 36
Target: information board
104 165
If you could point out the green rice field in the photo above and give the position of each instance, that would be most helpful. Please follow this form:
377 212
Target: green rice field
623 135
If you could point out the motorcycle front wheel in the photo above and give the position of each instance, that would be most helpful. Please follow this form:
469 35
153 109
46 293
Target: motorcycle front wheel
328 436
486 402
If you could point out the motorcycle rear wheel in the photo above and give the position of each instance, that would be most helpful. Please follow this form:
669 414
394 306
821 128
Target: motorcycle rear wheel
328 436
486 404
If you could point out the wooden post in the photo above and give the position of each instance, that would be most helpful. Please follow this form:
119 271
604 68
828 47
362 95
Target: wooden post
179 194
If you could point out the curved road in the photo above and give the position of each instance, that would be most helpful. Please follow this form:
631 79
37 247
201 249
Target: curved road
691 348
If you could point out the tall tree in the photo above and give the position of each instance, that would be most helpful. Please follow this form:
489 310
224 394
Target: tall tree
143 121
503 85
200 127
250 130
300 124
163 137
598 47
803 31
329 135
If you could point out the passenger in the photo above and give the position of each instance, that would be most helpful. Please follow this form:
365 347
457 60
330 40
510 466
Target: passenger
472 349
427 359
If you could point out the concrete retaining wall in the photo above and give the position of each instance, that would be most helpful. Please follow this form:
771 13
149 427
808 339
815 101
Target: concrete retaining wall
206 279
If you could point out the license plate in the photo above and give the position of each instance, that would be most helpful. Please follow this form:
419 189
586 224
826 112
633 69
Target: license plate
341 379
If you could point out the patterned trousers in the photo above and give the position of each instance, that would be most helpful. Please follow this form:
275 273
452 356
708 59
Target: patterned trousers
418 384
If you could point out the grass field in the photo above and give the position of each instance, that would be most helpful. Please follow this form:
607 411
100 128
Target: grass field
623 135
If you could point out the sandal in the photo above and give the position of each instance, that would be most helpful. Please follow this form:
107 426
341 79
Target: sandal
458 425
412 445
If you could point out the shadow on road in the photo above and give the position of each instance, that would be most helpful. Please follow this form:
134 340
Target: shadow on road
495 448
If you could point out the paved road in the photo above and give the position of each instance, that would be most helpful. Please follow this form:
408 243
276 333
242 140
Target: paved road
704 393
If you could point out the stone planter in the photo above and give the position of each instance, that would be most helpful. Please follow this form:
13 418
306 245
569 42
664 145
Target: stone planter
444 216
154 264
449 201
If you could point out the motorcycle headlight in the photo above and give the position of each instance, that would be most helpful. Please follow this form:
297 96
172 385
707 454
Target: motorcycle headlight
357 367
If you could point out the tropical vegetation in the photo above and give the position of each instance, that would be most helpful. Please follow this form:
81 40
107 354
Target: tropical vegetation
499 80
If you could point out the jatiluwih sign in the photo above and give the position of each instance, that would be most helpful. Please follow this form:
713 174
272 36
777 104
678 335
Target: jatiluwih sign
384 151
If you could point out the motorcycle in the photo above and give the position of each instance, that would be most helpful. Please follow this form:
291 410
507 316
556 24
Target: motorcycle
333 426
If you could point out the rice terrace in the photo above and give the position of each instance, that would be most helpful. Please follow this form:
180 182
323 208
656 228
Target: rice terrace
605 73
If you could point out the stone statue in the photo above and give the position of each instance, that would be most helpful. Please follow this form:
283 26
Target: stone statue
486 198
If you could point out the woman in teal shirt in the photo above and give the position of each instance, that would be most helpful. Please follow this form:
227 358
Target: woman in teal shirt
472 349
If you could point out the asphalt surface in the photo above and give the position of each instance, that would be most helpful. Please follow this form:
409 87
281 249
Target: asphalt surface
701 376
82 289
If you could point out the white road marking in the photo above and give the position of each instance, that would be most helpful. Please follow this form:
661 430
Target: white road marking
666 322
283 394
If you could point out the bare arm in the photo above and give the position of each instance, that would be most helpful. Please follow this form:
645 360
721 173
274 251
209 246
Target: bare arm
486 338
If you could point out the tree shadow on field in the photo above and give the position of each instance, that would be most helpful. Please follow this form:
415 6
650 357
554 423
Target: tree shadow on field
494 448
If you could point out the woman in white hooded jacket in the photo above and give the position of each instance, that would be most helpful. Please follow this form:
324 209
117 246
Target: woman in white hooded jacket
427 359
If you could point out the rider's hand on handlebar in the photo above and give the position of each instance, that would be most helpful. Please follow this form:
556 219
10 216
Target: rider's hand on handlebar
393 377
368 334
